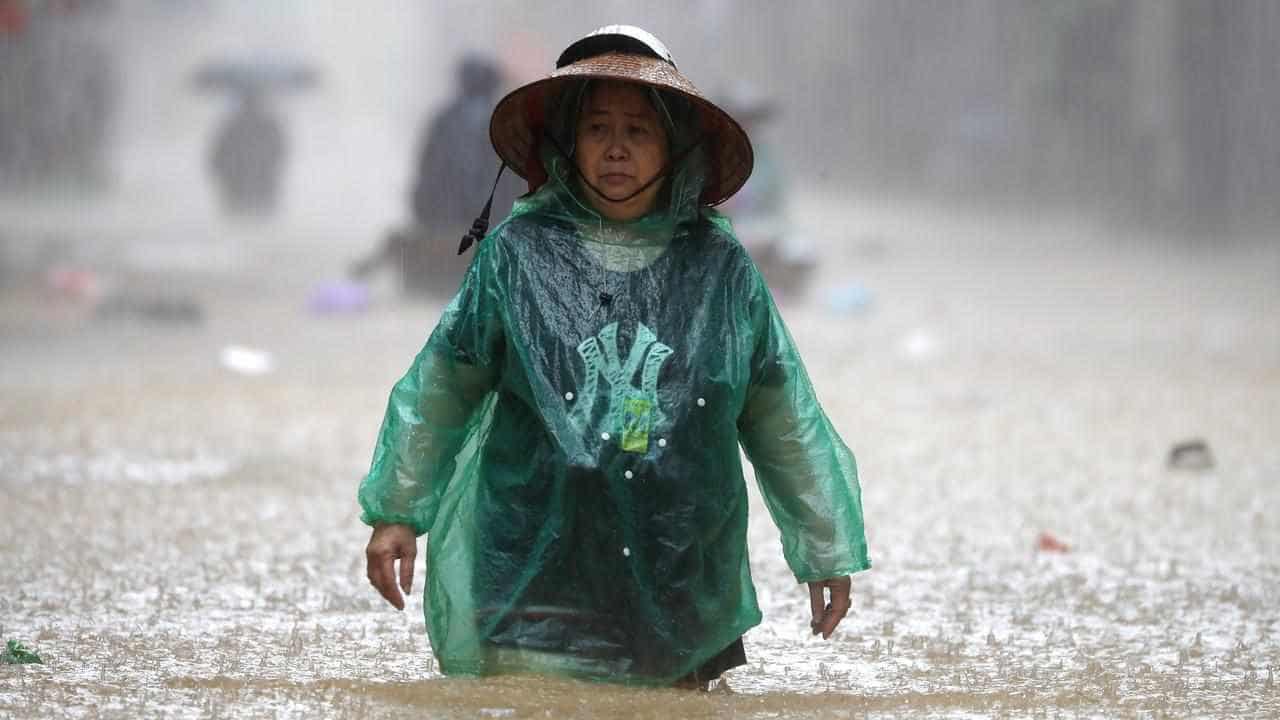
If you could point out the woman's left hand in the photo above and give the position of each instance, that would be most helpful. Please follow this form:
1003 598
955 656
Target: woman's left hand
828 614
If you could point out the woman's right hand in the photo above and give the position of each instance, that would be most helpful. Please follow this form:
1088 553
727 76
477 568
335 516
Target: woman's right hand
388 544
827 615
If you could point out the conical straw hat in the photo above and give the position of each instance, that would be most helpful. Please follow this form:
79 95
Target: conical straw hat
626 53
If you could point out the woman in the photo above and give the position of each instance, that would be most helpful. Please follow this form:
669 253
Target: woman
569 435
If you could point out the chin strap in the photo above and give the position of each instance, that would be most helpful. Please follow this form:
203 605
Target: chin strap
481 224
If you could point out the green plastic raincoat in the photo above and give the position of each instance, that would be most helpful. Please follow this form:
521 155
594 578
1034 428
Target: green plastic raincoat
568 440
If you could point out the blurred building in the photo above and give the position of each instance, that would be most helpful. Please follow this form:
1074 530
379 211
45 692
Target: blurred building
58 85
1163 112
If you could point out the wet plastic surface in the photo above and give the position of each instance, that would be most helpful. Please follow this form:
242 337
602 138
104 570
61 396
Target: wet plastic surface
569 439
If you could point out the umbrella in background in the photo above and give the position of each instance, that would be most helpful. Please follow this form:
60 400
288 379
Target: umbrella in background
249 148
256 74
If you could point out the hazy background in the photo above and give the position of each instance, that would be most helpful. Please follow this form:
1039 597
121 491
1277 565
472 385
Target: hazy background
1045 234
1155 114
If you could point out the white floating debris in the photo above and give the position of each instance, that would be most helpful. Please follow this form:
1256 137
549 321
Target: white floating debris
246 361
604 436
702 402
628 474
568 396
920 344
662 442
626 552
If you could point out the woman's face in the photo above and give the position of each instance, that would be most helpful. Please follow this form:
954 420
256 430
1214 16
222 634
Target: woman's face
620 146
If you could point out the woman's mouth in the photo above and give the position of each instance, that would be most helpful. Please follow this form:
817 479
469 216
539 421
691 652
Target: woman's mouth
614 179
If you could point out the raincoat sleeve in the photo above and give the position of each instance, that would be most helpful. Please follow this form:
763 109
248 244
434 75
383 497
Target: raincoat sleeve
430 413
806 473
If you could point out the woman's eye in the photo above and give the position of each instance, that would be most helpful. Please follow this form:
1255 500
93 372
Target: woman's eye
639 130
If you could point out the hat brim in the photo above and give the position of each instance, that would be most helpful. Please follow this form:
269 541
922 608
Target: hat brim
519 120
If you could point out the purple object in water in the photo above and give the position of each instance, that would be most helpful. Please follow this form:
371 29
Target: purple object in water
339 297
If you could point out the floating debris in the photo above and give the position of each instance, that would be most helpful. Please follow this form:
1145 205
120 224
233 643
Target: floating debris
337 297
1196 650
160 309
1047 542
1191 455
849 298
919 345
16 654
73 284
247 361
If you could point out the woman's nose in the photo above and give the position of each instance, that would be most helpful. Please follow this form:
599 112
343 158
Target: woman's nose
615 151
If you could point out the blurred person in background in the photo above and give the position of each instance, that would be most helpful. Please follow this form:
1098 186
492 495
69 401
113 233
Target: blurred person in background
455 166
569 435
759 209
247 157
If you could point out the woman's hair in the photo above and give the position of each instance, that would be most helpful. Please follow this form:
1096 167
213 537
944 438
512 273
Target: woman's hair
672 110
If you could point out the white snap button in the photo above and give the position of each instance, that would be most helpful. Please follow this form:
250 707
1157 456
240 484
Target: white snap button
702 402
604 436
568 396
628 475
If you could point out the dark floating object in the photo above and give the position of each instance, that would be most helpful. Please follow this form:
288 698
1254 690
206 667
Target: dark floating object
1191 455
157 309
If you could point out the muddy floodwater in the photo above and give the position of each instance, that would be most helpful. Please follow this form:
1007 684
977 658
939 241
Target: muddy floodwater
179 535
